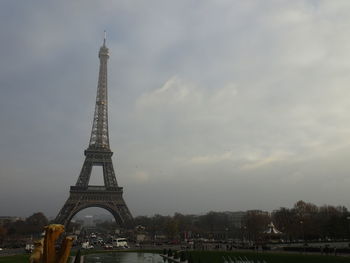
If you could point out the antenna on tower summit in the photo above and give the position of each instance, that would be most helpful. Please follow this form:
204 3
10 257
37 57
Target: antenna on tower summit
104 38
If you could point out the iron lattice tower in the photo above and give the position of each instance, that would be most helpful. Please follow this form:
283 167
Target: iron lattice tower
109 196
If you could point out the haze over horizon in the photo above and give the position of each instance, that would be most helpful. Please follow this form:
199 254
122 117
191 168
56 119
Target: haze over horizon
213 105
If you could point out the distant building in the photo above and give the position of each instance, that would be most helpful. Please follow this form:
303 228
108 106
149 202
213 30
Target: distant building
141 234
258 212
9 219
236 218
89 220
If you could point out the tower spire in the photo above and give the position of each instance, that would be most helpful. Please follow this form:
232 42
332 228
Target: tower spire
99 134
104 38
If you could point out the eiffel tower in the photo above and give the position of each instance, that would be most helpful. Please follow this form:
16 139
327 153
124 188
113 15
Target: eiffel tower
109 196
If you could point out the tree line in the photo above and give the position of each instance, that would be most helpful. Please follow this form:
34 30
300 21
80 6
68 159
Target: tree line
310 222
304 221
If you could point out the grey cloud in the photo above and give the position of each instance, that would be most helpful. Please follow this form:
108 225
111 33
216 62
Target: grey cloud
239 98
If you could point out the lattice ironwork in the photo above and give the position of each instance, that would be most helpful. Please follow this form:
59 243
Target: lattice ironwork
109 196
99 134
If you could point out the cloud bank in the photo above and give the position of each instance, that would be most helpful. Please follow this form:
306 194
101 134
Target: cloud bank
224 105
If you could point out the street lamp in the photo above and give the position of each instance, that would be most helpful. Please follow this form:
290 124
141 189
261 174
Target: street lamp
243 230
302 229
348 218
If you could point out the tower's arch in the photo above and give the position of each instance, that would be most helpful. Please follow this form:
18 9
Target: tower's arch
117 217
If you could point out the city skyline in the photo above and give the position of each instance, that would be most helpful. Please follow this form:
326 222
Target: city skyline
222 106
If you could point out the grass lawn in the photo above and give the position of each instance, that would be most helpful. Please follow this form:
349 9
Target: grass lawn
93 251
217 257
15 259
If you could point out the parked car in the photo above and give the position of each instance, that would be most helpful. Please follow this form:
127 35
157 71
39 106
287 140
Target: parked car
108 246
86 245
120 243
29 248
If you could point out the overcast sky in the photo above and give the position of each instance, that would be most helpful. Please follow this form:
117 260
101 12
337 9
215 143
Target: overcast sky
213 105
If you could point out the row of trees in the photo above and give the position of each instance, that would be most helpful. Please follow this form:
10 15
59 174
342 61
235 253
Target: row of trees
181 226
307 221
32 225
302 221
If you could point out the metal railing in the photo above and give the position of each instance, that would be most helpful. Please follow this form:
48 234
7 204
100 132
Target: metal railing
228 259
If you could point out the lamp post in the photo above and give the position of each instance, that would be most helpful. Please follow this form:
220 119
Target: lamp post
303 233
348 218
302 229
243 228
